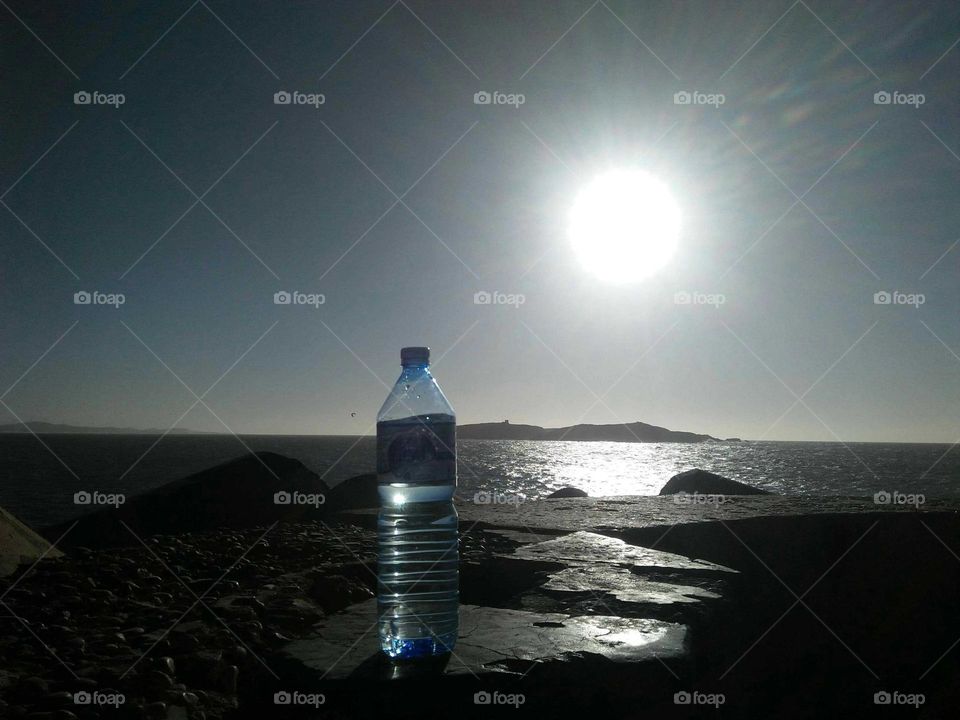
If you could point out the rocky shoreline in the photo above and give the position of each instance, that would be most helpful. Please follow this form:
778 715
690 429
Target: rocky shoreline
659 605
104 621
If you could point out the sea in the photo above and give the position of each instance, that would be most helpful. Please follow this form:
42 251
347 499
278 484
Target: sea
41 474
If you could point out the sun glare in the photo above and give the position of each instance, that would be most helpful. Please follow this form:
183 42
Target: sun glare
624 225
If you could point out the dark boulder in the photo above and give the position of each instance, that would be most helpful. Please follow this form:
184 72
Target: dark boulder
707 483
567 492
250 491
360 491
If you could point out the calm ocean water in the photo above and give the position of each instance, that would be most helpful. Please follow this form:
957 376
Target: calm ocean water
38 483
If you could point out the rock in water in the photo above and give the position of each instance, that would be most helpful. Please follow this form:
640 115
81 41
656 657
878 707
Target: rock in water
19 544
708 483
567 492
360 491
250 491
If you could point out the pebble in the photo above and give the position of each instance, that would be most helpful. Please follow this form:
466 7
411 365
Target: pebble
226 678
33 687
240 612
155 711
158 680
236 654
183 642
61 697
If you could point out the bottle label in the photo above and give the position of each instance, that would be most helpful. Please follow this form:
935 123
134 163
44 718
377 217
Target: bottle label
417 452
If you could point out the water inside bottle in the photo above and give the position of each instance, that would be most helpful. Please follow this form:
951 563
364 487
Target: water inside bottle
418 597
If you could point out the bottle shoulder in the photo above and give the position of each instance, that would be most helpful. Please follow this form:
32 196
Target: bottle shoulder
415 393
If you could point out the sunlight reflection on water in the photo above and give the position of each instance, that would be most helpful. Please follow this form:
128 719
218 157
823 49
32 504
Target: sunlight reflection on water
534 469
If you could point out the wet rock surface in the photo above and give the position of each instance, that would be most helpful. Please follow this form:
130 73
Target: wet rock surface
554 614
494 641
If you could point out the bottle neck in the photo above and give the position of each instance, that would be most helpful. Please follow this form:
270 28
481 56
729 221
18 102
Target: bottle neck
414 368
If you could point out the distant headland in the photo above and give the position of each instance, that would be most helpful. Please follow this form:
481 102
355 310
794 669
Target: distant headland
616 432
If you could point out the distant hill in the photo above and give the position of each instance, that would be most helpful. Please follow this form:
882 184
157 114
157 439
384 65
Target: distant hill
619 432
46 428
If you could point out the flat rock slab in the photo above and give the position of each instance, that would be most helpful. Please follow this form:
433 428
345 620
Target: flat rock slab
588 547
625 586
494 641
599 565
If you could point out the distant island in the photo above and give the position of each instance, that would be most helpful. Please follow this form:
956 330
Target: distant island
617 432
47 428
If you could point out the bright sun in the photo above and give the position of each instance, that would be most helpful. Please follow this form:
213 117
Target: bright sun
624 225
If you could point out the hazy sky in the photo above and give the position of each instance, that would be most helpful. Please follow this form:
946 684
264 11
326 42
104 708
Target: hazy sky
305 198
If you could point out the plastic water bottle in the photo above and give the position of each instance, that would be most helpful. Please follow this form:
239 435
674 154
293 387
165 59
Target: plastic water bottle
418 595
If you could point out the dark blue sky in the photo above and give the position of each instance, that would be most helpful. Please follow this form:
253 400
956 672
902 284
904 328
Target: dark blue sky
96 198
